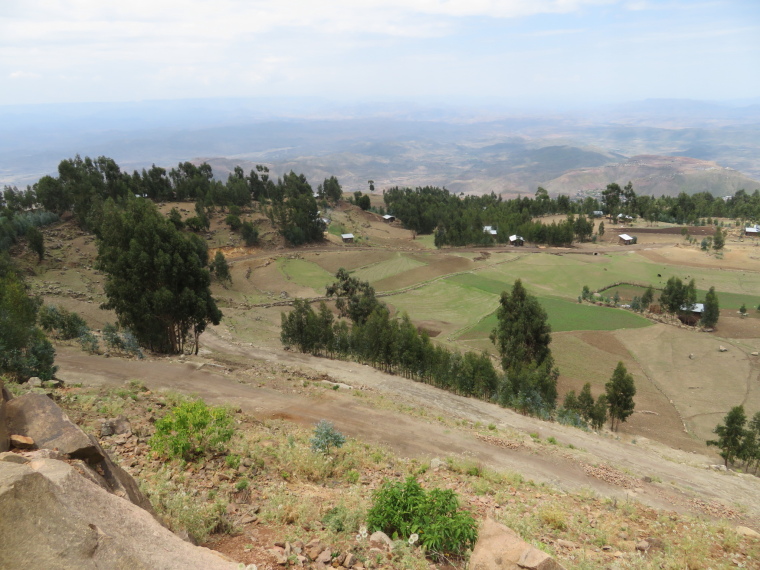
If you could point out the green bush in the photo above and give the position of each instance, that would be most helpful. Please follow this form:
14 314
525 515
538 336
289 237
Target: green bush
192 430
402 509
63 323
250 233
325 437
233 221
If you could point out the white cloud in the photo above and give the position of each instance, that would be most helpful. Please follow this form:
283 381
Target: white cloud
23 75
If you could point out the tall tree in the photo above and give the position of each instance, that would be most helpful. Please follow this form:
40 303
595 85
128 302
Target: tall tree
157 281
730 434
719 239
36 241
24 350
586 402
712 310
221 268
355 299
522 337
620 392
523 333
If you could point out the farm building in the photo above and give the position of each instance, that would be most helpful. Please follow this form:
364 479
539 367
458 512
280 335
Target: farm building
489 230
347 238
624 218
625 239
696 308
516 240
388 218
752 231
598 214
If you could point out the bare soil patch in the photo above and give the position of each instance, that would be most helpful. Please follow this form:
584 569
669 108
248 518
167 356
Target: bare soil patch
405 410
436 267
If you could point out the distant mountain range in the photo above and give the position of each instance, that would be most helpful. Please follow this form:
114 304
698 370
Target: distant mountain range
662 146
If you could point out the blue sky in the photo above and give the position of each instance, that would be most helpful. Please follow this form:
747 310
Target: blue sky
516 51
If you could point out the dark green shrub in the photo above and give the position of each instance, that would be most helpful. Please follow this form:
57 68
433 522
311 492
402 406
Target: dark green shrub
402 509
250 233
191 430
233 221
64 324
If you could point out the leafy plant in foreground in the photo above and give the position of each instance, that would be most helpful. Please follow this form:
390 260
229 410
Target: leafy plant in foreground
403 509
325 437
191 430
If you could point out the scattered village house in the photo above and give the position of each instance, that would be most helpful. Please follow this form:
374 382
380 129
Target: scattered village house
598 214
516 240
752 231
347 238
489 230
691 314
388 218
625 239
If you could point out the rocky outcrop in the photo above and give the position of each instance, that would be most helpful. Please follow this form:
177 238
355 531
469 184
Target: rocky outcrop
500 548
67 505
53 517
38 417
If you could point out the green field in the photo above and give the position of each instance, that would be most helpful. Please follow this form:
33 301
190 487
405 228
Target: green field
445 302
305 273
565 275
726 300
388 268
571 316
476 281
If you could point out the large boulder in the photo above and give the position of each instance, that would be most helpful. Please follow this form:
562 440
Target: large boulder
52 517
38 417
500 548
119 482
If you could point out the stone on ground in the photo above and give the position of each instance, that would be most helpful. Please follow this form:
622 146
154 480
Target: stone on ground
500 548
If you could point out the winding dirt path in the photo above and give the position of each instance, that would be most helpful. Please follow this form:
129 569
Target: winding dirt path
609 467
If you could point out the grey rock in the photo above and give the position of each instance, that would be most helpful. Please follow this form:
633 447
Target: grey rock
38 417
379 538
58 519
500 548
34 382
13 457
115 426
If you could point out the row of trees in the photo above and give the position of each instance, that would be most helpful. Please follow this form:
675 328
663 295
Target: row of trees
458 220
616 403
738 438
83 186
376 338
528 381
677 298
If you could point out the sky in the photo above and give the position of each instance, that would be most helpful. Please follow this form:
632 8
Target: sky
520 51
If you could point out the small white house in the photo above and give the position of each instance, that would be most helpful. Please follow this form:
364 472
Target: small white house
752 231
347 238
489 230
516 240
626 239
388 218
598 214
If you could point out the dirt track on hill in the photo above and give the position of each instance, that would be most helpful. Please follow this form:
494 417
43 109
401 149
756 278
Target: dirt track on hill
611 468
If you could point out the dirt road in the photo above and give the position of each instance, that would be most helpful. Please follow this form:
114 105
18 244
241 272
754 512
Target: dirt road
675 480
